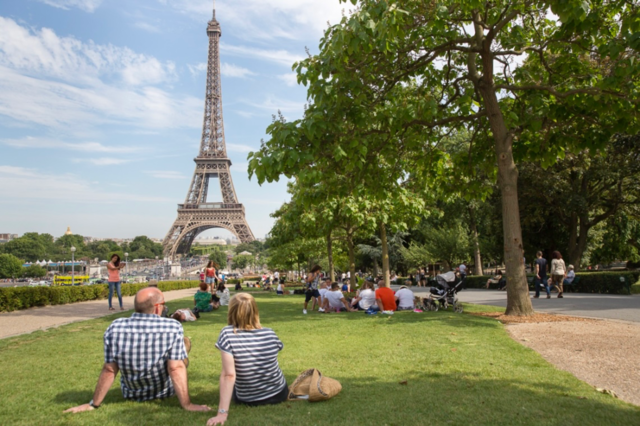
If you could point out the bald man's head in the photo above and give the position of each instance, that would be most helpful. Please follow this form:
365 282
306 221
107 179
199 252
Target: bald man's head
146 299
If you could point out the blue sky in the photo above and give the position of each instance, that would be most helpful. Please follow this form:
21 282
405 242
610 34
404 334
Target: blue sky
101 106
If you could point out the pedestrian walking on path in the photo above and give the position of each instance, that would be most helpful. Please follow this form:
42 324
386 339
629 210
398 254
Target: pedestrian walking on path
541 275
558 272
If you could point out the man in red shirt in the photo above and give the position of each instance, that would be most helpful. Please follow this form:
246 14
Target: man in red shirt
385 297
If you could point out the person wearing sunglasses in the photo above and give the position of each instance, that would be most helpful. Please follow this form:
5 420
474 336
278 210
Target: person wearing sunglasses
149 351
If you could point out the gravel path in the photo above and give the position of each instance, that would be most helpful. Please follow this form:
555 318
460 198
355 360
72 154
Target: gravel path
41 318
603 353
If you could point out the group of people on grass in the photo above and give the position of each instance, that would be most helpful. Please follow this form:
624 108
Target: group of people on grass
150 352
555 275
328 296
210 296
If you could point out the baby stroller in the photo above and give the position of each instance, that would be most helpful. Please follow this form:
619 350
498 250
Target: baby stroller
445 294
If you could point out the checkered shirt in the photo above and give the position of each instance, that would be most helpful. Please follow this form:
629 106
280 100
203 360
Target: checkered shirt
141 346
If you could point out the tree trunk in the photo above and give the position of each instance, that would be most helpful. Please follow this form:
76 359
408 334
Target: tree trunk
518 301
477 259
352 260
375 269
578 242
385 255
332 273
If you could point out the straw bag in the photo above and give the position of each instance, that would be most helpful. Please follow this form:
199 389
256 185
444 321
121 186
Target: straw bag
313 386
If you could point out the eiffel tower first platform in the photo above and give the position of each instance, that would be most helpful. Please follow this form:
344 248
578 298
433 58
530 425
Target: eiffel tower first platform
196 214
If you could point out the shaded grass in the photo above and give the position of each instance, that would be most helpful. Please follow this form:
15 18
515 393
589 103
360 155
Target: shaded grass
460 369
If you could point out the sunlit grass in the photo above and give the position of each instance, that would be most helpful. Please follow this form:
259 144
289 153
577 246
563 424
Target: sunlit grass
458 369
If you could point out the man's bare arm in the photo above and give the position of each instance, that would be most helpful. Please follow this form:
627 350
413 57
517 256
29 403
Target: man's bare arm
178 374
107 376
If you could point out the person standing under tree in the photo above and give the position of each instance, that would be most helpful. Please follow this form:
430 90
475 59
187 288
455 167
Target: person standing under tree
113 268
313 281
541 275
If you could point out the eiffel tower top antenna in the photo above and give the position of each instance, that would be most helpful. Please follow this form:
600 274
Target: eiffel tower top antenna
214 10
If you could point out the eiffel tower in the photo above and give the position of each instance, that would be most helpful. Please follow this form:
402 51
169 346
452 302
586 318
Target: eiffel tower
196 214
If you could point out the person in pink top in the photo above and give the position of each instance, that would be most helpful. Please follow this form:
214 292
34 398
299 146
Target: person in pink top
114 279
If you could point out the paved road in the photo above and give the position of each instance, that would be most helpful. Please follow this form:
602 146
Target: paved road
618 307
29 320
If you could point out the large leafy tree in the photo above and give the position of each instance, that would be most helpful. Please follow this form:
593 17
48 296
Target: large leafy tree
10 266
395 76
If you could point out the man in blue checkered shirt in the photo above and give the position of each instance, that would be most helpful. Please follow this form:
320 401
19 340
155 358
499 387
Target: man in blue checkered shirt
149 351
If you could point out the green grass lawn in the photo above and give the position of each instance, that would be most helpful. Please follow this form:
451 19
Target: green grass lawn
459 369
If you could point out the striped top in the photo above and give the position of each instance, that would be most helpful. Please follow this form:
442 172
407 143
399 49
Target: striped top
255 353
141 346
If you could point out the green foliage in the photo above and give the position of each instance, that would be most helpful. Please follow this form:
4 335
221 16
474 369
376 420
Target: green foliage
254 247
10 266
34 271
219 256
242 261
15 298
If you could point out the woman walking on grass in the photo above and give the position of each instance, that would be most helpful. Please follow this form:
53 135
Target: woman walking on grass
210 274
250 372
558 272
113 268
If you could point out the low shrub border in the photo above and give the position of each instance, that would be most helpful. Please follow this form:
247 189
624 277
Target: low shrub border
15 298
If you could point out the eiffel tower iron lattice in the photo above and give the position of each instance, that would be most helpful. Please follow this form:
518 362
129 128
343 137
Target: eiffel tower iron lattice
196 214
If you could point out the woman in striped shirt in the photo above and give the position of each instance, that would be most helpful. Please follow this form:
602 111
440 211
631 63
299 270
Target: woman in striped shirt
250 371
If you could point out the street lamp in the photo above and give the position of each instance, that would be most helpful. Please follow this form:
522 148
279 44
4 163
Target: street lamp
98 267
157 277
73 264
126 263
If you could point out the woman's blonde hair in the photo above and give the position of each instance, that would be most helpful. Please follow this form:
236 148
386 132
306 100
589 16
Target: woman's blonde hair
243 313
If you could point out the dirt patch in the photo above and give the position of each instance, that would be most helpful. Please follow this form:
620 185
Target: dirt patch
603 353
538 317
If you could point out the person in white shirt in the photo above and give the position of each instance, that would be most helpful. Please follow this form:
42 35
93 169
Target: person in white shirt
280 289
223 294
324 289
463 270
334 300
405 299
183 315
343 276
571 275
366 297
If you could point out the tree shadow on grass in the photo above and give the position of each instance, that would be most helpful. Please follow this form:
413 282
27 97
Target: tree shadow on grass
425 398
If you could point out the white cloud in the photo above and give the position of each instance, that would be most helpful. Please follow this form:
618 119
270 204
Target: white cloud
197 68
278 56
234 147
267 19
86 5
24 183
43 53
290 79
165 174
231 70
104 161
54 81
31 142
274 104
145 26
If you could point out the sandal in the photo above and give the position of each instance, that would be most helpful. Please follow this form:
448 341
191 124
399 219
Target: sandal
122 308
111 308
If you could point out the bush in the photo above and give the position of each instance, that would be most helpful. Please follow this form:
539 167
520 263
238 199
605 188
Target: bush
14 298
589 282
234 281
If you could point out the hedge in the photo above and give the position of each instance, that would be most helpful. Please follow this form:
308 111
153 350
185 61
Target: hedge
14 298
588 282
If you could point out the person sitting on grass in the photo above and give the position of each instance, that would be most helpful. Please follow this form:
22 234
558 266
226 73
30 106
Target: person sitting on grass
385 298
149 351
405 299
223 294
571 275
366 298
184 315
496 279
334 300
250 372
202 300
280 288
324 289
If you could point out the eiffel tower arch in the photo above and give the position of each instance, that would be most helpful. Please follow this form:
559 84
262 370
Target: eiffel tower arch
197 214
